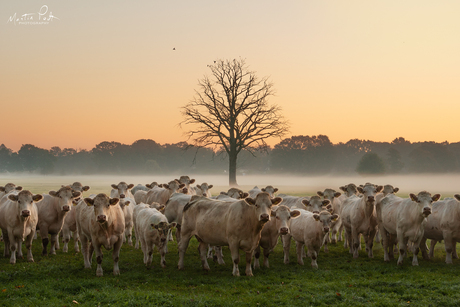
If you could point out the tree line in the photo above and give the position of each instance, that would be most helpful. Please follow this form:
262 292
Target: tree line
300 155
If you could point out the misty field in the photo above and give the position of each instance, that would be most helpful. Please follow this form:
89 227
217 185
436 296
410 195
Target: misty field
61 280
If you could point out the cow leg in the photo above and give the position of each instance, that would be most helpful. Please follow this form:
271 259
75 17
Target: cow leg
6 239
56 245
448 247
313 254
454 249
145 250
182 247
203 250
45 240
377 236
54 239
326 239
248 263
162 250
178 233
432 246
385 243
266 254
129 234
402 242
13 247
116 256
355 242
286 239
99 257
370 242
340 232
415 250
28 243
85 251
256 258
234 251
210 250
76 239
299 249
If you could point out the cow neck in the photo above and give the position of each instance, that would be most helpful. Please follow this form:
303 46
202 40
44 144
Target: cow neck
22 222
368 208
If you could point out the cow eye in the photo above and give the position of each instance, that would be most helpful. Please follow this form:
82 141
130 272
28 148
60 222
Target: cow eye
289 217
19 201
277 217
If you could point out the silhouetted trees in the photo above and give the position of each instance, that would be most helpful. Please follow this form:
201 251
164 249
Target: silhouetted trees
301 154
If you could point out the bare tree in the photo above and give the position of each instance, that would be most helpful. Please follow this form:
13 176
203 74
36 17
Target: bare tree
231 111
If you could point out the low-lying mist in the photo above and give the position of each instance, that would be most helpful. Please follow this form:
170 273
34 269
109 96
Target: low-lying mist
445 184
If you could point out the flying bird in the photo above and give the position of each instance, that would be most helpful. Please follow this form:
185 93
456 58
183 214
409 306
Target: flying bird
174 48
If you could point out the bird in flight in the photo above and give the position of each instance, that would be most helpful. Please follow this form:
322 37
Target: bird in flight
174 48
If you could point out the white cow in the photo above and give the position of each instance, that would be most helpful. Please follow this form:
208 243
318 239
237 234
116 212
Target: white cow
358 218
101 223
336 204
8 188
404 218
121 190
127 205
309 230
268 189
18 222
237 225
202 190
152 227
279 225
136 212
186 181
161 195
52 210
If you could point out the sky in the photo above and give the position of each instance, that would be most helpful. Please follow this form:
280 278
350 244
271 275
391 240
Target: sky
106 70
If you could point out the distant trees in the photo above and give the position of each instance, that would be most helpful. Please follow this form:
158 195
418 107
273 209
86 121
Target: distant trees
301 154
371 163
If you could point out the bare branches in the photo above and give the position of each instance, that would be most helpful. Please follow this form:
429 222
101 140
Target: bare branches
231 110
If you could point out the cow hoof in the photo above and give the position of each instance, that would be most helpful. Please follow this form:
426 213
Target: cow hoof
117 272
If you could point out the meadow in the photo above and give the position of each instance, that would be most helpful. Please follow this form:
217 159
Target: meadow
340 280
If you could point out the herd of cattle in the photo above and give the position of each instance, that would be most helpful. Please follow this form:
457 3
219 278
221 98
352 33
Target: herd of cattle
248 221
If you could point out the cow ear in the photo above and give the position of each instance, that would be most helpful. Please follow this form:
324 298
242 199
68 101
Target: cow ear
334 217
148 186
181 185
177 180
337 194
436 197
295 214
276 200
306 202
198 186
320 193
76 194
2 189
154 226
326 202
160 185
161 208
360 190
86 188
272 213
210 186
244 195
330 210
13 197
263 189
130 186
172 225
329 207
250 201
18 188
343 188
192 180
127 203
37 197
53 193
114 186
89 201
457 196
275 190
223 193
114 201
413 197
379 188
316 217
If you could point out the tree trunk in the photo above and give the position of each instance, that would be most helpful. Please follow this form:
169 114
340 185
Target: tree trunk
232 168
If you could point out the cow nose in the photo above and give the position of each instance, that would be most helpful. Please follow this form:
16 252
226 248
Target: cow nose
264 217
163 239
316 211
122 196
66 208
370 198
284 230
25 213
101 218
326 229
426 211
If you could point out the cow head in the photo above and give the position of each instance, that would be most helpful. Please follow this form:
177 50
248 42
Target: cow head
270 190
157 206
389 189
163 230
315 204
186 181
124 202
203 189
262 205
283 216
174 186
424 200
77 186
369 191
24 200
66 196
10 187
350 189
152 185
326 219
122 188
102 204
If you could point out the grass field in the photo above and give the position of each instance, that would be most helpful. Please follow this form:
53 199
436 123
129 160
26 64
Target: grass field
61 280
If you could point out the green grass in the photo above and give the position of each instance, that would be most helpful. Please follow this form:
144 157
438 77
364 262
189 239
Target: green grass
60 279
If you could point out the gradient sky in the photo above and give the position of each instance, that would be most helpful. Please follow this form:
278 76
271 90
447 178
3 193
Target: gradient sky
106 70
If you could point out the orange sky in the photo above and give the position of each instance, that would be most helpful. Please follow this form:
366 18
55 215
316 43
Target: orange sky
106 70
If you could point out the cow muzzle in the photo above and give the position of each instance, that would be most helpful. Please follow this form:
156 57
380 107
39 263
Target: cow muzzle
122 195
326 229
25 213
426 211
163 239
264 217
66 208
284 230
370 199
101 218
316 212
